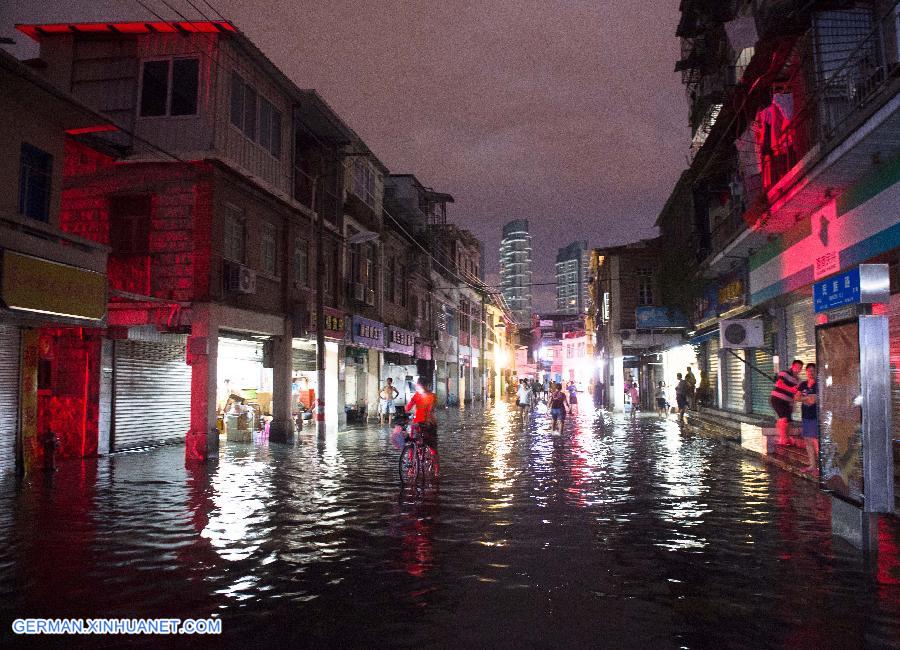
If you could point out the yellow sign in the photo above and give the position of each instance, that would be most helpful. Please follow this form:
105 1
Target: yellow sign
46 287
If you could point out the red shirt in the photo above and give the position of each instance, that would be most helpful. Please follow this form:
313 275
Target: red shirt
424 403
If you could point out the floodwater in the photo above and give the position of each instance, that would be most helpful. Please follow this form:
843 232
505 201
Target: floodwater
616 534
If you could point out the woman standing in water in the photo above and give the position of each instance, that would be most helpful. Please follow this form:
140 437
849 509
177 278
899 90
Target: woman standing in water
558 407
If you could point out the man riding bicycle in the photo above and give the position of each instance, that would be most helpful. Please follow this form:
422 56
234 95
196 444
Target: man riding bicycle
423 401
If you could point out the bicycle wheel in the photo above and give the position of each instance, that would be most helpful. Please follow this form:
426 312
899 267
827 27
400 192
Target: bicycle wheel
426 463
409 463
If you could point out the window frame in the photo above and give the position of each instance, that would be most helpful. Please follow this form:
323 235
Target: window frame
139 225
271 116
25 184
301 244
234 215
170 61
269 236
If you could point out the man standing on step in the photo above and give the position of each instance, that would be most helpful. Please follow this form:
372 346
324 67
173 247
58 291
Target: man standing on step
782 399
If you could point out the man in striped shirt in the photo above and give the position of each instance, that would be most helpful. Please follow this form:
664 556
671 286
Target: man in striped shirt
786 386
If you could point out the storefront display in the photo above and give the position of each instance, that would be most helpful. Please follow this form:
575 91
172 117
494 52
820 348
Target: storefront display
243 380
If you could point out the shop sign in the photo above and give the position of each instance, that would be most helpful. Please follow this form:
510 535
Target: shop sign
38 285
707 305
368 333
423 351
545 323
867 283
335 324
826 264
732 293
659 318
401 340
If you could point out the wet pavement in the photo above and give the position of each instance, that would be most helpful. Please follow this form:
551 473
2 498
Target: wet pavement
615 534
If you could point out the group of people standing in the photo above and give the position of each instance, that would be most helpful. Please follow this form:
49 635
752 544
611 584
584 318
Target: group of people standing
561 402
789 390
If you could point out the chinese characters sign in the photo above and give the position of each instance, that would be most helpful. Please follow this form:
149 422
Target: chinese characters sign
401 340
840 290
367 333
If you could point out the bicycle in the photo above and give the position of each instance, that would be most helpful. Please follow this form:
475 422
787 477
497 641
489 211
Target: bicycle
416 463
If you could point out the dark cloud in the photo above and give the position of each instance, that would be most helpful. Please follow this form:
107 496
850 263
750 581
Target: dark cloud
564 112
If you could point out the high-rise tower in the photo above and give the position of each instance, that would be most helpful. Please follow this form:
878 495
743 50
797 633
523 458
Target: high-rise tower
515 269
571 278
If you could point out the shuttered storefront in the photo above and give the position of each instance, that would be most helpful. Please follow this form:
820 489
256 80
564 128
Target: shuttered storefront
712 369
801 333
733 372
303 360
9 396
761 387
151 394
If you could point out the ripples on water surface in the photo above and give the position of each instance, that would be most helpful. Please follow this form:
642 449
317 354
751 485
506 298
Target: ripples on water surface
615 534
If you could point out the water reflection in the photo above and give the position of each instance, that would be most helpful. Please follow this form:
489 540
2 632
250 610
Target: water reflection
624 530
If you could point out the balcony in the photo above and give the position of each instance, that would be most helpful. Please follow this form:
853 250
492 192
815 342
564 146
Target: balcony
846 121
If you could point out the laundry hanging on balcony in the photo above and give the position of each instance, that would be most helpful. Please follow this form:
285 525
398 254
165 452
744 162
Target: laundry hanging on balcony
773 136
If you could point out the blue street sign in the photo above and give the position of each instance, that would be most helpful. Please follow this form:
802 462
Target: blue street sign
836 291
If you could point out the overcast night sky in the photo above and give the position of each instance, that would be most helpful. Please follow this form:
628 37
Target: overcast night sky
566 113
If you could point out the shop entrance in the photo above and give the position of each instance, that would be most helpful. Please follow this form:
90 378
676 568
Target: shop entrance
303 382
243 387
355 384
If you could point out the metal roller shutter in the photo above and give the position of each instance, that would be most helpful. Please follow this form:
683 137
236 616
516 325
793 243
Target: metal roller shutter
303 360
712 369
761 387
801 333
733 372
152 394
9 396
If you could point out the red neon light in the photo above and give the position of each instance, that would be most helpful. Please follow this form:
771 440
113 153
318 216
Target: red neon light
97 128
35 31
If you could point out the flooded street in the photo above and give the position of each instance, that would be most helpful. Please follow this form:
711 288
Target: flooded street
616 534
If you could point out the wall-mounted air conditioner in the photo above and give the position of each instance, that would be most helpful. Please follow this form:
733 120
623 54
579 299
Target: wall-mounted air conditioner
741 333
239 278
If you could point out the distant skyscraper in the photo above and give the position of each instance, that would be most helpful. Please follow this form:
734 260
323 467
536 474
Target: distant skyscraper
515 269
571 278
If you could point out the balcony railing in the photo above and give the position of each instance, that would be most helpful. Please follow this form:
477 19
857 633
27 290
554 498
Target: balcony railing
845 57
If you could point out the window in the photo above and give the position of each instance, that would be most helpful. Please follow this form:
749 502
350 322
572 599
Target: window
35 173
233 246
268 252
390 288
250 112
363 184
301 262
237 100
129 225
169 87
269 128
255 116
645 286
370 267
404 286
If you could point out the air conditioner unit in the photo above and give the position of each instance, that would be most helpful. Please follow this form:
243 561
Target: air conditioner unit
359 291
239 278
741 333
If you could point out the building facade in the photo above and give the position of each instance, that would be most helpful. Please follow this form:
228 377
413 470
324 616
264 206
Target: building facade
572 263
793 181
54 364
515 270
